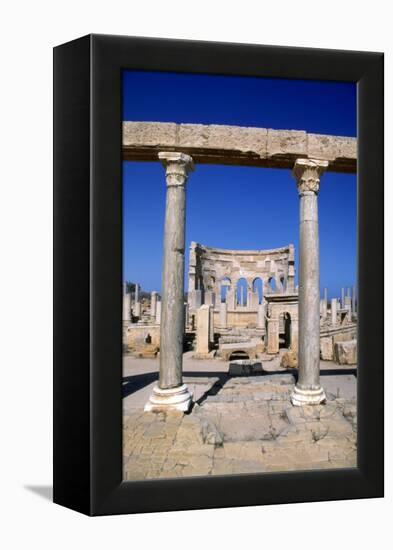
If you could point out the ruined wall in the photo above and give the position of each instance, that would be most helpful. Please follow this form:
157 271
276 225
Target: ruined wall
209 268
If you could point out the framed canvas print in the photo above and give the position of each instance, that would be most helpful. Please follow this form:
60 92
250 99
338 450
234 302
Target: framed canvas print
218 275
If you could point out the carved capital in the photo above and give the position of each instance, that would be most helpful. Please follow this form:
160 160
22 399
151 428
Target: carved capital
177 167
307 173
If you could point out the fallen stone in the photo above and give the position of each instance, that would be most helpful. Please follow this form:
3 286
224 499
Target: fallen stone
346 352
289 360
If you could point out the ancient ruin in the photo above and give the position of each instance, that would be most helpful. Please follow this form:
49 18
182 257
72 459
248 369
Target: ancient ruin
242 306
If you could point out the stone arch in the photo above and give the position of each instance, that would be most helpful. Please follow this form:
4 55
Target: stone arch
257 286
272 284
224 285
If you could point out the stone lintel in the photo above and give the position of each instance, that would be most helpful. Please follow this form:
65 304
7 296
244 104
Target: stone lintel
236 145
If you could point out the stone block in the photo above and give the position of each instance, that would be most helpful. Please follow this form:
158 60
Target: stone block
327 349
289 360
345 353
244 367
286 143
154 133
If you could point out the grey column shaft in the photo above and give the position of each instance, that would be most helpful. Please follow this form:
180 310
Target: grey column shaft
309 292
172 302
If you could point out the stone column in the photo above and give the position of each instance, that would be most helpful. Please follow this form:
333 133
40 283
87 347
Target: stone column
171 393
333 310
342 298
158 313
294 336
203 330
211 324
308 390
348 307
223 315
126 307
323 308
273 343
261 316
153 304
354 299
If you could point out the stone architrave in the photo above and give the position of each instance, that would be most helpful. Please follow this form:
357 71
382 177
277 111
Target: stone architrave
223 315
261 316
203 330
153 304
273 343
333 310
171 393
308 390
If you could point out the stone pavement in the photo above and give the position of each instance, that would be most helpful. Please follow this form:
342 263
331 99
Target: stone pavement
242 425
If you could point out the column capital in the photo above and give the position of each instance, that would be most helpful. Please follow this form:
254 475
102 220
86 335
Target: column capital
177 167
307 173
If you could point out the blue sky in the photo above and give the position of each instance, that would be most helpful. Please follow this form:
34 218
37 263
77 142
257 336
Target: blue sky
230 206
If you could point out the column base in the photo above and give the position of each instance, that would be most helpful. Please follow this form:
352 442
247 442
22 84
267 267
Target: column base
172 399
301 397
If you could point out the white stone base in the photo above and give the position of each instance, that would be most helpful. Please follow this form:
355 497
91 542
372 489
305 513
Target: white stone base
173 399
301 397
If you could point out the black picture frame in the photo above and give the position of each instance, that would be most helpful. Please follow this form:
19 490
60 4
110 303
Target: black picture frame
88 275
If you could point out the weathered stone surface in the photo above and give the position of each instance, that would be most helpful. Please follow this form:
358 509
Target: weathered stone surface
220 144
346 352
289 360
249 426
286 143
327 349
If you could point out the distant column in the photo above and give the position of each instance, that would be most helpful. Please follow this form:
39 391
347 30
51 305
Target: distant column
136 298
158 313
186 316
342 298
333 310
211 324
354 299
323 309
261 315
203 330
171 393
223 315
153 303
308 390
126 307
273 343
